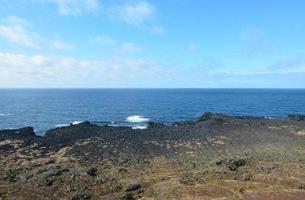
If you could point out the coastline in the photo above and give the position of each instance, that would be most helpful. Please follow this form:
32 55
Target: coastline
228 157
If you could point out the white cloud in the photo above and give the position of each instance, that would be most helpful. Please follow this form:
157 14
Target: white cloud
76 7
15 20
255 43
290 63
137 13
61 45
18 70
157 30
192 47
128 47
114 45
13 29
103 40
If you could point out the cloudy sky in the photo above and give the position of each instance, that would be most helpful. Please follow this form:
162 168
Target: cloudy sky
152 43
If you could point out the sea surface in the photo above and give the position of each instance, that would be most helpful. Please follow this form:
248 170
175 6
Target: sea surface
49 108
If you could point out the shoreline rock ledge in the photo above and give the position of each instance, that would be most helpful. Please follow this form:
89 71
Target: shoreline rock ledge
215 157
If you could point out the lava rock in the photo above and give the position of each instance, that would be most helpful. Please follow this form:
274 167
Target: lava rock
247 177
82 196
301 186
155 125
212 116
220 162
26 133
296 117
92 171
123 170
133 187
128 196
263 170
184 123
188 179
235 164
50 173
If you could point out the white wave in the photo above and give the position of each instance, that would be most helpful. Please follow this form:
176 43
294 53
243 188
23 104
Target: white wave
4 115
136 119
65 125
77 122
61 125
139 127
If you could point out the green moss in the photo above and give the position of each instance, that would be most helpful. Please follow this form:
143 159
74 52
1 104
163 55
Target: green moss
11 174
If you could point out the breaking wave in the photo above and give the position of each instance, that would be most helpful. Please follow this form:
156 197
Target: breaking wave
4 115
64 125
77 122
136 119
139 127
61 125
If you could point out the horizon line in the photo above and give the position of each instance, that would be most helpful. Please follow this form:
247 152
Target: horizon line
140 88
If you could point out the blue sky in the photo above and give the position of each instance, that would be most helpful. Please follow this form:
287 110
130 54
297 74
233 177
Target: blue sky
159 44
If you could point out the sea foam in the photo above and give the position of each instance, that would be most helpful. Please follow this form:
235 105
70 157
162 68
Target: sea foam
139 127
136 119
65 125
77 122
4 115
61 125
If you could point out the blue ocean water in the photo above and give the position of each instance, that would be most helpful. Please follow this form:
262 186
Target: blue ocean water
48 108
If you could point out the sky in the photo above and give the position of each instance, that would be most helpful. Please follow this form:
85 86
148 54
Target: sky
152 44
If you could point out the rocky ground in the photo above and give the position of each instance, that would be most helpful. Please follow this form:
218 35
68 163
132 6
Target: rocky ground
215 157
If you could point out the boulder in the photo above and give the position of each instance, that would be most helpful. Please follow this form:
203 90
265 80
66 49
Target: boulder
184 123
82 196
133 187
233 165
296 117
155 125
22 133
212 116
188 179
247 177
128 196
301 186
92 171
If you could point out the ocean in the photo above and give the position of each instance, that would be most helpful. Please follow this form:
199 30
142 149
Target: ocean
50 108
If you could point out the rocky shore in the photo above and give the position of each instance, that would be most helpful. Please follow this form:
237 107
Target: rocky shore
214 157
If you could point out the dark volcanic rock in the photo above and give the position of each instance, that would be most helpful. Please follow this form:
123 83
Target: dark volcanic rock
157 154
220 162
26 133
247 177
155 125
296 117
128 196
184 123
11 175
6 147
233 165
51 172
92 171
133 187
212 116
301 186
264 170
188 179
82 196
